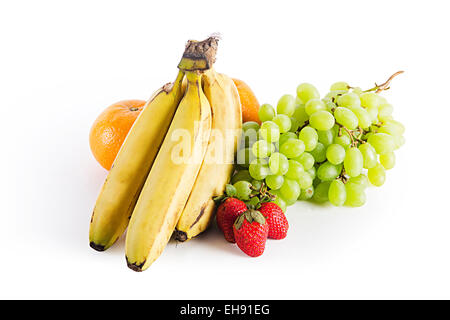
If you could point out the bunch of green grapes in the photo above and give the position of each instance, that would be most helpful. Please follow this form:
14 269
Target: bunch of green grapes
323 149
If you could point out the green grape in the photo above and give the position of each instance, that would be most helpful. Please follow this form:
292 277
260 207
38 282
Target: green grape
343 140
326 137
366 136
300 114
264 162
382 100
370 99
377 175
259 169
290 190
373 112
306 92
285 137
310 138
290 202
336 128
270 131
292 148
333 95
274 182
360 180
278 163
385 112
321 192
388 160
357 90
356 196
335 153
346 118
340 85
286 105
369 155
295 124
328 171
349 100
295 170
243 190
262 149
241 175
330 106
382 142
319 153
266 112
337 193
399 141
353 162
312 172
249 137
280 202
306 159
316 182
399 127
391 129
244 157
283 122
321 120
364 118
304 180
314 105
257 184
306 194
250 125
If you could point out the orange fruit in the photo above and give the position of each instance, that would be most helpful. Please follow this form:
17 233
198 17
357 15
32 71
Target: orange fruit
250 105
111 128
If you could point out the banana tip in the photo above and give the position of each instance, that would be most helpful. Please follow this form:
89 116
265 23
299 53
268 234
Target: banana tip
180 236
134 266
97 247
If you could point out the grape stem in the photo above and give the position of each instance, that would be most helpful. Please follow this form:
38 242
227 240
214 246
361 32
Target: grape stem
354 139
305 124
349 132
263 193
343 177
359 137
385 85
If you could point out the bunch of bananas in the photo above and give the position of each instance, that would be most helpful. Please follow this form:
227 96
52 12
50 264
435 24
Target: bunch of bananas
158 186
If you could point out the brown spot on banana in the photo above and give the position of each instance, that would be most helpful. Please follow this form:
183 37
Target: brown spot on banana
182 235
167 87
202 211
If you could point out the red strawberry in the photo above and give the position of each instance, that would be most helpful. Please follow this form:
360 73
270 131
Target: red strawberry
278 224
227 212
250 232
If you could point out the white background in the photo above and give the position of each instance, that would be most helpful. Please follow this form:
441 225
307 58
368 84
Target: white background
63 62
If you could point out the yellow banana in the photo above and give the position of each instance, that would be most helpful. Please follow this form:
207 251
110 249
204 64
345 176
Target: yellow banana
171 178
124 182
218 163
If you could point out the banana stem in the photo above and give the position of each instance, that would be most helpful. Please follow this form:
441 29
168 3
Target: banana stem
199 55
